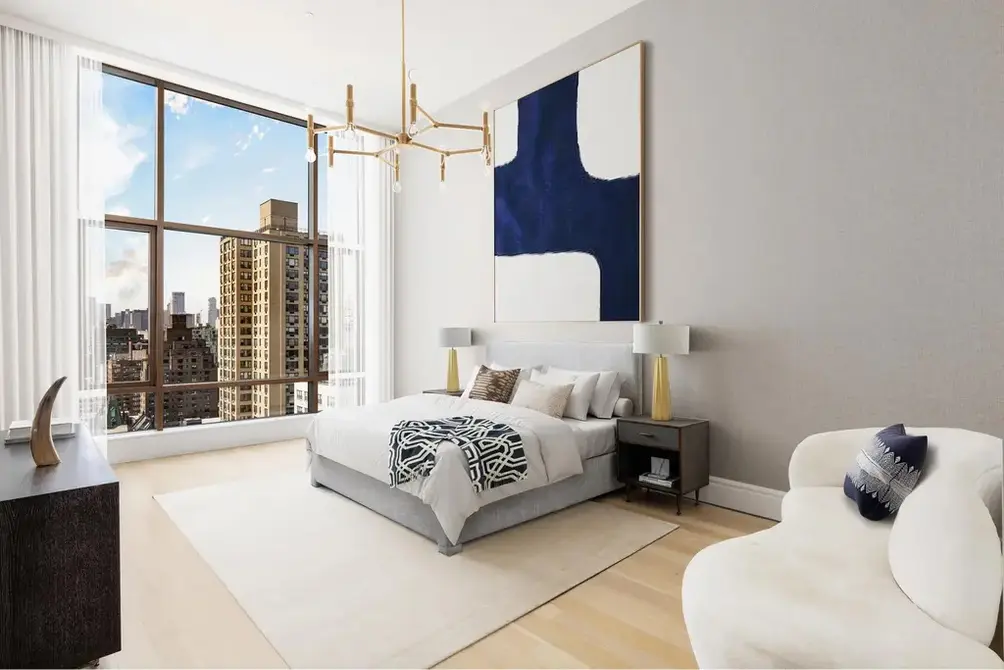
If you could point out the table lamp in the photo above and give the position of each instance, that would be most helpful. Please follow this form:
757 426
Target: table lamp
661 339
453 338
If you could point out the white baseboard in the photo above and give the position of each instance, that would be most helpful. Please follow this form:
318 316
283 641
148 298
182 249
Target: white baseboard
743 497
145 445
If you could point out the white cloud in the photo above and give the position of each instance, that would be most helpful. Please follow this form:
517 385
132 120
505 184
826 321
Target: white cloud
257 133
119 210
115 152
127 272
179 103
267 170
206 219
195 156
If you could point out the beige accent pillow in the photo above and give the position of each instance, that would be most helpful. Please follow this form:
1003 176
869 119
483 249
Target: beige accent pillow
605 394
550 400
584 385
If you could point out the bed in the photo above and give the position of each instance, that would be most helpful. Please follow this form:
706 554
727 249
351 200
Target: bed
358 473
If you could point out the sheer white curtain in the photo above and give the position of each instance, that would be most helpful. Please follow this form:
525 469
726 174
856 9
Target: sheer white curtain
360 228
93 141
48 298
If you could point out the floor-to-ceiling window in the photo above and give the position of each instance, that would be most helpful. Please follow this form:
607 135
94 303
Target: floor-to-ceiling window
216 296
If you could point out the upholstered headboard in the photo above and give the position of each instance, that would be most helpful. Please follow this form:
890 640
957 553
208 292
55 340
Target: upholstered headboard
574 356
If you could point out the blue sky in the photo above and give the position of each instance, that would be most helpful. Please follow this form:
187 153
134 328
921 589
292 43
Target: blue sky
220 165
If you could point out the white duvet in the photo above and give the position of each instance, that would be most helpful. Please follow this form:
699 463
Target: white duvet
358 438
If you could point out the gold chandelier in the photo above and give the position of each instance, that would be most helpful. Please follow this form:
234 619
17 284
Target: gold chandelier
403 140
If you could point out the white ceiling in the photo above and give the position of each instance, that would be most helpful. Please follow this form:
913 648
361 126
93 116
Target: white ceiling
454 46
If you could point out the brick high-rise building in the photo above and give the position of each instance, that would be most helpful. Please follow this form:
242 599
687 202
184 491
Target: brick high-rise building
187 358
263 322
123 340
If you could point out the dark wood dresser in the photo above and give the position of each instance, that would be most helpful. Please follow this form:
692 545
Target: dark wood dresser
60 601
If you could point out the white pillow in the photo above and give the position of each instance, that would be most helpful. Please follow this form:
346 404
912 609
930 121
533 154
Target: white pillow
582 393
606 393
945 555
623 407
524 373
550 400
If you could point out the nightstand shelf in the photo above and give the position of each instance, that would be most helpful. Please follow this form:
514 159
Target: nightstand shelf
455 394
683 442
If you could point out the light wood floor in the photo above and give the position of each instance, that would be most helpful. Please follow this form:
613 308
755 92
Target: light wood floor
176 613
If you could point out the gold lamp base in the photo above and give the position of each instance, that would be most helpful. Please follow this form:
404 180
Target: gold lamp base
662 402
452 373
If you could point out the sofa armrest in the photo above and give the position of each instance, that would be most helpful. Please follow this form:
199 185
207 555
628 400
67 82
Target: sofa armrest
823 459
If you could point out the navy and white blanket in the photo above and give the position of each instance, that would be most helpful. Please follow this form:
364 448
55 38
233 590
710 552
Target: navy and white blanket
494 451
439 471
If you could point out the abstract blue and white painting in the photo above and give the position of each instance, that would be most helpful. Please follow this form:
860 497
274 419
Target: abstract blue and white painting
568 226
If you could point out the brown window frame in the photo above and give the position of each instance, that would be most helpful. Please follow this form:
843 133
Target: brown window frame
156 228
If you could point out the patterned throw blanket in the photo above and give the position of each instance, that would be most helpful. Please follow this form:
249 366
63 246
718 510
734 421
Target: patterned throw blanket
494 451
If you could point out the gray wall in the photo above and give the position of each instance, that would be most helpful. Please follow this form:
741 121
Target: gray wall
824 209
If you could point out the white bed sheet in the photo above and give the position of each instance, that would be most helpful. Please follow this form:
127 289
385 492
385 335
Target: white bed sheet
594 437
358 438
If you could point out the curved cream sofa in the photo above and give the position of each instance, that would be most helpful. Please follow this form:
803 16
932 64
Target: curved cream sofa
828 588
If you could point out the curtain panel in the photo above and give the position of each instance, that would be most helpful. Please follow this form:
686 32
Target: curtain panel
359 224
51 230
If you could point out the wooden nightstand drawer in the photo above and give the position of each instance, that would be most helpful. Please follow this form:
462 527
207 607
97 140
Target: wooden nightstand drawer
659 437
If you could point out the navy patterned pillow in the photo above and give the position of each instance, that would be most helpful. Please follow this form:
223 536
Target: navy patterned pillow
885 472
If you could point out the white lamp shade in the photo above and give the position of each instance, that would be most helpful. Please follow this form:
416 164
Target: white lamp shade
454 337
660 338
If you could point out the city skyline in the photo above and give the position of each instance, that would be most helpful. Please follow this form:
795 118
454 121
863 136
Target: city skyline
220 165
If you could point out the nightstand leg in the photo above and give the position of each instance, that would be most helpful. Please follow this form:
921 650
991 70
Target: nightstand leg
678 496
697 497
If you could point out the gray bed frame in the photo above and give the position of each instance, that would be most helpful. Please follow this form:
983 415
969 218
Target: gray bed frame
599 474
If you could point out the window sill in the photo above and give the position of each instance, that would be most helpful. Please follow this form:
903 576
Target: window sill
146 445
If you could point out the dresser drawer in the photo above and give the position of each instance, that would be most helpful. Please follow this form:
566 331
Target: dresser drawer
661 437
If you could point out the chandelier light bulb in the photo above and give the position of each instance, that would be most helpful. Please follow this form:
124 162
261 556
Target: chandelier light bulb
442 185
350 133
413 129
397 187
311 155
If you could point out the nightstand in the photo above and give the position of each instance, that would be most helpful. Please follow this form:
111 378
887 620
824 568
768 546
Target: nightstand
455 394
684 442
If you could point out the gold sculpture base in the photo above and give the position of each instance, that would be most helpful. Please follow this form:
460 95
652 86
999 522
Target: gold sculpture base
452 372
662 402
43 451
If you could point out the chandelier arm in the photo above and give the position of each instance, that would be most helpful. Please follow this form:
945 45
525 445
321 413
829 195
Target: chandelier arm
373 131
429 148
422 130
457 152
353 152
328 129
390 147
427 115
459 126
385 161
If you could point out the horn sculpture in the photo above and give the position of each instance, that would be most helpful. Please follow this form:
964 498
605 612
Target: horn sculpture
43 451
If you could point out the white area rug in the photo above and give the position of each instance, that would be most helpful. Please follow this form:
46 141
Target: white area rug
332 584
